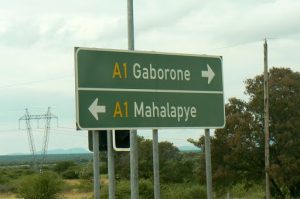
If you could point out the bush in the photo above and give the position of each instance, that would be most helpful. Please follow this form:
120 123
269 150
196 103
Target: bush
123 189
86 172
3 179
85 185
104 191
9 175
239 190
146 189
71 173
186 191
242 190
46 185
4 188
63 166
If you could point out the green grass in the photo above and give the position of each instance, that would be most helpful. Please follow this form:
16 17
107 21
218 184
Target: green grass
244 192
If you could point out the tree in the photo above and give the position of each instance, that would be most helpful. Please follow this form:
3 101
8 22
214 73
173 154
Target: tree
173 168
284 89
170 164
235 150
238 149
46 185
86 172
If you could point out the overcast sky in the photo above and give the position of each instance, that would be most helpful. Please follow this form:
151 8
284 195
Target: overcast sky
37 40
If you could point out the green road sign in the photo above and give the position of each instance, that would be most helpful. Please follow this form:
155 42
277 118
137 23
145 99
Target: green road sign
132 89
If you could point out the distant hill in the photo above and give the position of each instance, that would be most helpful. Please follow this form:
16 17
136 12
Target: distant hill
68 151
58 151
73 154
51 158
84 151
188 148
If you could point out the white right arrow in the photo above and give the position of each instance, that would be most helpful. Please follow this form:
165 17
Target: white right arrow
209 73
95 109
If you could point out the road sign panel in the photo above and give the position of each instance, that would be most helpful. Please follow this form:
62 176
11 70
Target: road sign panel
130 89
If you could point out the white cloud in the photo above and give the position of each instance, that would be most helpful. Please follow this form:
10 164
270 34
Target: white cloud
272 19
37 40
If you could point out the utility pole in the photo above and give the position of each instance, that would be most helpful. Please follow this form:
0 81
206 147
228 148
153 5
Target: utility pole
26 117
133 133
47 117
266 117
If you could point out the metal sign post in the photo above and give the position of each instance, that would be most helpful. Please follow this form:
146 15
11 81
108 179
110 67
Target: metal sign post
111 166
208 165
133 133
96 163
156 164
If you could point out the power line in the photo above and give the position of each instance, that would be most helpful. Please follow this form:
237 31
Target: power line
245 43
27 118
9 131
34 82
233 45
63 132
67 128
75 135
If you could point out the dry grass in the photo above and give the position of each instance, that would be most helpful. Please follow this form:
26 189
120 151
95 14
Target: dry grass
71 194
74 192
72 182
7 196
65 195
76 195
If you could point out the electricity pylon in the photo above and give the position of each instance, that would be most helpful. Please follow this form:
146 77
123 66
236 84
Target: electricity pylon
47 117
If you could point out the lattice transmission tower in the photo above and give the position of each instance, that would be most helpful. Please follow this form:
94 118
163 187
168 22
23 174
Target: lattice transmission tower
47 117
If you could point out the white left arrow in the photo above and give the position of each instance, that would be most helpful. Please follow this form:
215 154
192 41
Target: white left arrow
209 73
95 109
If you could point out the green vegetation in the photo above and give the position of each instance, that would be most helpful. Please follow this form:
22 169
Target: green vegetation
175 167
11 160
8 175
237 156
46 185
238 149
67 169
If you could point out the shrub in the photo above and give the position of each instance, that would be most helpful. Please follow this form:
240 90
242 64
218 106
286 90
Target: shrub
242 190
146 189
46 185
3 179
85 185
63 166
71 173
86 172
239 190
186 191
4 188
123 189
104 190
